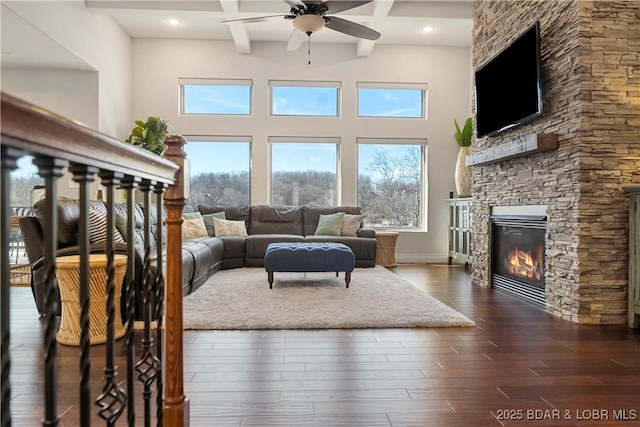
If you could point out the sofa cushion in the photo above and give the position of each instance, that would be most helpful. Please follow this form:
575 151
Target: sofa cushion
191 215
329 225
193 228
225 227
351 224
235 213
311 215
276 219
98 228
208 222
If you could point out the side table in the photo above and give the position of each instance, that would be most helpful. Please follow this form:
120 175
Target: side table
386 248
68 275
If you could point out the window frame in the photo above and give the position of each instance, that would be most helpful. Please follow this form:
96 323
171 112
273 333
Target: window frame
424 191
394 86
214 82
225 139
308 84
306 140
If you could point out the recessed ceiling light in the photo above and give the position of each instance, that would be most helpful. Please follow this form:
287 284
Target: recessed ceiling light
428 29
174 21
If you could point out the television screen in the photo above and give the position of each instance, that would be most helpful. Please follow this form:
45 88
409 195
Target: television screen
507 88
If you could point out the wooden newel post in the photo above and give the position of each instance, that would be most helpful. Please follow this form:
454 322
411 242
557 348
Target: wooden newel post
176 404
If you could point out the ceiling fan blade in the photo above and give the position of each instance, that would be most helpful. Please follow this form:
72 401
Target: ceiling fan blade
295 40
337 6
351 28
257 19
295 4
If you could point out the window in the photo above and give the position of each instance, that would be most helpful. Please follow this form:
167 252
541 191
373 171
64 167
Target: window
391 176
23 181
211 96
304 172
392 100
290 98
219 170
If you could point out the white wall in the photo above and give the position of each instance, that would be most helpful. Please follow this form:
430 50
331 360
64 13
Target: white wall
158 64
99 42
72 94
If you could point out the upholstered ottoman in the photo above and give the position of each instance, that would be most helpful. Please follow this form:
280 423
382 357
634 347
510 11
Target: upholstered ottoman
307 258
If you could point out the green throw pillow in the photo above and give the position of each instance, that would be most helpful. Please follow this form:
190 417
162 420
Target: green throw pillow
330 225
208 222
191 215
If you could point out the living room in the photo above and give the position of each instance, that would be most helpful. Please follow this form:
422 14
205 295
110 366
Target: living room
147 72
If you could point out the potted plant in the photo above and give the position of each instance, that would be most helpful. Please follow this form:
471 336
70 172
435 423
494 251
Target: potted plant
463 173
150 135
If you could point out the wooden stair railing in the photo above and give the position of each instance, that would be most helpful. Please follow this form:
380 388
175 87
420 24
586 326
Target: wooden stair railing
58 144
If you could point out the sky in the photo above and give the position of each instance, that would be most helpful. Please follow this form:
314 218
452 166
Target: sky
309 101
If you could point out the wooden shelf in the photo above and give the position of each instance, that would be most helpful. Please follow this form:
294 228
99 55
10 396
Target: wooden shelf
524 146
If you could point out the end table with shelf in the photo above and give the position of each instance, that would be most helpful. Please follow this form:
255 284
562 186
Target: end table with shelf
459 230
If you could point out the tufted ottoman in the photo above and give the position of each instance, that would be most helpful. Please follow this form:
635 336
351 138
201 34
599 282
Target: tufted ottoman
308 257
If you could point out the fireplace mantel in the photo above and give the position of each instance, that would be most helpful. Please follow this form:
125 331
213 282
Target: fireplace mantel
524 146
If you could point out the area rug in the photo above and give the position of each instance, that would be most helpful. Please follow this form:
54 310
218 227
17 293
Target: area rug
376 298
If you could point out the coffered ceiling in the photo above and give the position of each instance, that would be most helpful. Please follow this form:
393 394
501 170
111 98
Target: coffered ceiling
399 21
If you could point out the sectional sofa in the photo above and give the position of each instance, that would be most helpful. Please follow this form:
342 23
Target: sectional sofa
201 256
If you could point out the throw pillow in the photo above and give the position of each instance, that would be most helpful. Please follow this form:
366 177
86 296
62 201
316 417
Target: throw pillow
208 222
225 227
191 215
98 228
350 224
193 228
330 225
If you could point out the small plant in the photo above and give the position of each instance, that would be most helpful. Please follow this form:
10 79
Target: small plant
464 136
150 135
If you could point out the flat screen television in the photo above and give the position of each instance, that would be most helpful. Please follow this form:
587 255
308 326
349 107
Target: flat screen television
508 90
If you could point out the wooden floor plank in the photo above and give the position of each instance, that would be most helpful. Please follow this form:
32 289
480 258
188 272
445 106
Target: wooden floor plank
517 358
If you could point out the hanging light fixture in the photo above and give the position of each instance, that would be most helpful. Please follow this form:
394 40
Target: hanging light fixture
308 24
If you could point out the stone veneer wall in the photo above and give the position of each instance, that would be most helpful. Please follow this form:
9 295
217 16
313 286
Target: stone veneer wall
591 100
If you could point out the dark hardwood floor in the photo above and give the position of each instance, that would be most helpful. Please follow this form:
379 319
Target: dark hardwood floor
519 366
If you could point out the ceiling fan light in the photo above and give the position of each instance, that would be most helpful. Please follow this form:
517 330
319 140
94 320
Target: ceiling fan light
308 23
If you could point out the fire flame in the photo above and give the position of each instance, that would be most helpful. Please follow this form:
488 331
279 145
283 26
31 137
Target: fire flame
522 264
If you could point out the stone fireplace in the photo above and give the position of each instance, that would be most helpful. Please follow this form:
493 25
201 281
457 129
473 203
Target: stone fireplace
518 251
591 105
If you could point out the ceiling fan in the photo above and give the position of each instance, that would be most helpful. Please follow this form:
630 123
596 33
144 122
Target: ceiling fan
310 16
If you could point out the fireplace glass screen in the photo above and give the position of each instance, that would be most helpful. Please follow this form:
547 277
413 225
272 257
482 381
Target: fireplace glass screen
519 254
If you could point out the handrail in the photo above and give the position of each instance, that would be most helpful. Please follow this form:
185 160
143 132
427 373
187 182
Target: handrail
58 143
38 131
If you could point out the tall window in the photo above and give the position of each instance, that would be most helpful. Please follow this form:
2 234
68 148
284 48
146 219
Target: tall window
213 96
392 100
304 172
219 171
391 180
23 179
299 98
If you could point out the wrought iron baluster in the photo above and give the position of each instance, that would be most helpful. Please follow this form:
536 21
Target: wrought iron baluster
84 175
113 398
9 163
146 366
129 183
50 169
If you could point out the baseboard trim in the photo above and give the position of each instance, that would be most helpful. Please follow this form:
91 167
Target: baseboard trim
422 258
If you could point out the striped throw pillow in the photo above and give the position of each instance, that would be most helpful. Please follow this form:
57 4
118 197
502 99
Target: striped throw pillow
98 228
